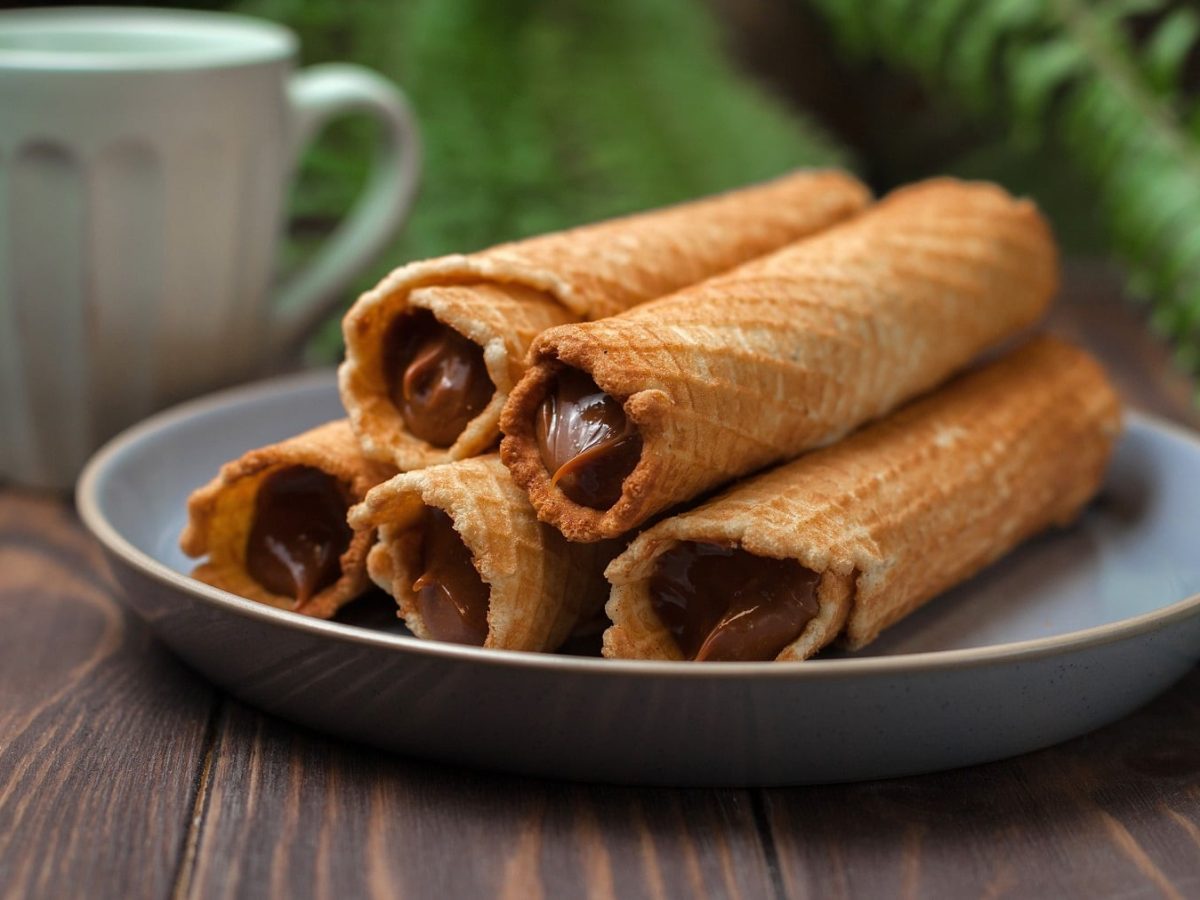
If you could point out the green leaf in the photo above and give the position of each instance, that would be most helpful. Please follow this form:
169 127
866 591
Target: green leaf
1070 84
928 38
975 53
1037 73
1169 47
852 23
1111 12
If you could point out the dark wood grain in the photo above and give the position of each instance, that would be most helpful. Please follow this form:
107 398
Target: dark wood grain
101 732
1115 813
294 814
122 775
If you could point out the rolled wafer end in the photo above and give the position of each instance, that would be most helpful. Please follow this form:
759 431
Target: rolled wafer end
537 587
600 488
640 630
272 523
430 358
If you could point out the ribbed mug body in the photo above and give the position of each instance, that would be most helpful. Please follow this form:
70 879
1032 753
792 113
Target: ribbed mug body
139 215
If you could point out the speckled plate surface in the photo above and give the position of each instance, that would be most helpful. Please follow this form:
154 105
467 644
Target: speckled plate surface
1072 631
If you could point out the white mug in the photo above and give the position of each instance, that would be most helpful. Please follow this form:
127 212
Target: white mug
145 158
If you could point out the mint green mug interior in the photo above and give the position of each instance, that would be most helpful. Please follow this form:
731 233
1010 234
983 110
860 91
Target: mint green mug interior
137 38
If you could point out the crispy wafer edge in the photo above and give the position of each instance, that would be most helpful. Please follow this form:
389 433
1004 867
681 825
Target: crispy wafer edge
444 287
220 515
541 586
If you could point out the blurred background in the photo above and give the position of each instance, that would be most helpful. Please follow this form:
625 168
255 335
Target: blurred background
540 115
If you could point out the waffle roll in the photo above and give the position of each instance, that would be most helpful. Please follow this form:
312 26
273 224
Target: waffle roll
273 527
433 351
619 419
847 540
462 552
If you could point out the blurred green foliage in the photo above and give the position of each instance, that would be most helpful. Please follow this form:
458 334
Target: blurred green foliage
1103 86
539 115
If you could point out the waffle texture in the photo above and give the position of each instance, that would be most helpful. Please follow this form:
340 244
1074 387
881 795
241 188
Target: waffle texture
793 350
502 297
221 515
542 587
904 509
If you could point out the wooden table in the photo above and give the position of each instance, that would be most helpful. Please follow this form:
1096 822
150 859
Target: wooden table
122 774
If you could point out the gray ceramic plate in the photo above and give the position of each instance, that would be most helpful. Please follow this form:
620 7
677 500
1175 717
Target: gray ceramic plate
1072 631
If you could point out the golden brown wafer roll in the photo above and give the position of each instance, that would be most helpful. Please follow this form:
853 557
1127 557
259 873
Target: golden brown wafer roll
432 352
849 539
467 560
621 418
273 522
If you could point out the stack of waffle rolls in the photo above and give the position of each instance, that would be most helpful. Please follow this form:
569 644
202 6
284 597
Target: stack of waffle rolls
538 587
500 299
790 351
725 377
904 509
222 516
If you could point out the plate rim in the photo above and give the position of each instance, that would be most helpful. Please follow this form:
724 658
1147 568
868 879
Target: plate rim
94 519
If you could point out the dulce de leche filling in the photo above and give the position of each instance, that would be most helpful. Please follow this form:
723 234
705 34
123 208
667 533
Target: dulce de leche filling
451 597
436 378
720 602
586 443
299 532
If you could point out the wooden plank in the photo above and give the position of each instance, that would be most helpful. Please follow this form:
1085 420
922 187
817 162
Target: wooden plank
1115 813
289 813
101 731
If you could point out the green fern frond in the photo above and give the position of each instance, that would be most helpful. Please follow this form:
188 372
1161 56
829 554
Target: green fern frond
1169 48
1069 73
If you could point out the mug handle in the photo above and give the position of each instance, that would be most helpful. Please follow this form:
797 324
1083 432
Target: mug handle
318 94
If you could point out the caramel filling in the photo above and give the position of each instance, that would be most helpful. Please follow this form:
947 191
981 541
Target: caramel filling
585 441
451 597
436 378
720 602
299 532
